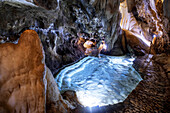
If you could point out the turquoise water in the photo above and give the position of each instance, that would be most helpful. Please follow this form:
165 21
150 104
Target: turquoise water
100 81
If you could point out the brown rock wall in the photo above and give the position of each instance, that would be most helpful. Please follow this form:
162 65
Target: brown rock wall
22 75
26 84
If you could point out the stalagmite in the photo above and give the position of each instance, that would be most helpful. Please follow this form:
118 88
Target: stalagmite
26 84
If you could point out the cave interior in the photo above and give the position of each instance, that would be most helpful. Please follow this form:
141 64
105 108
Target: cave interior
84 56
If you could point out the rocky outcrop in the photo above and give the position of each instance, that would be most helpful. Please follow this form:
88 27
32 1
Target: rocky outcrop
135 42
22 77
18 17
54 100
109 11
154 20
26 84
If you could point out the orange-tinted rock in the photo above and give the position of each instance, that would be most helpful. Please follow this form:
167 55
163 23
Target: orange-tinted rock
130 23
22 75
26 84
88 44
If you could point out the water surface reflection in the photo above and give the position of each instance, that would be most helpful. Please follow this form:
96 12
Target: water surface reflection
100 81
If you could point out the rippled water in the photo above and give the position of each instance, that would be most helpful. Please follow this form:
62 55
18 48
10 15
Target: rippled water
100 81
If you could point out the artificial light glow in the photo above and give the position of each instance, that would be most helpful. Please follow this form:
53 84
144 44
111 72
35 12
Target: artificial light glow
105 46
154 36
87 99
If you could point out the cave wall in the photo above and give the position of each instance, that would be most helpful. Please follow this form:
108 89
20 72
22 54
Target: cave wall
166 18
109 11
58 26
149 15
147 19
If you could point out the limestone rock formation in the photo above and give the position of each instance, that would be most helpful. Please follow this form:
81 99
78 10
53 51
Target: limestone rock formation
54 100
22 77
145 18
26 84
109 10
17 17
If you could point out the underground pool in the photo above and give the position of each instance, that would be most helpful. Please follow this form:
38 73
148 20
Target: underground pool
100 81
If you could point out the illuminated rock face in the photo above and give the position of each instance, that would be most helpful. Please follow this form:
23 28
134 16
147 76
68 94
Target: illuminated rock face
130 23
136 36
136 42
26 84
22 87
100 81
150 12
144 18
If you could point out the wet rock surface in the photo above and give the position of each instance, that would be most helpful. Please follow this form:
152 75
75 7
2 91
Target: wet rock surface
152 94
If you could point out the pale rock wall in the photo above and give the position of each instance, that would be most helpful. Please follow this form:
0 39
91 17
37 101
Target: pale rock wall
144 18
128 21
151 14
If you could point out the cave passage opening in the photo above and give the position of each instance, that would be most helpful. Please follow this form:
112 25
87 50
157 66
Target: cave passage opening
100 81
